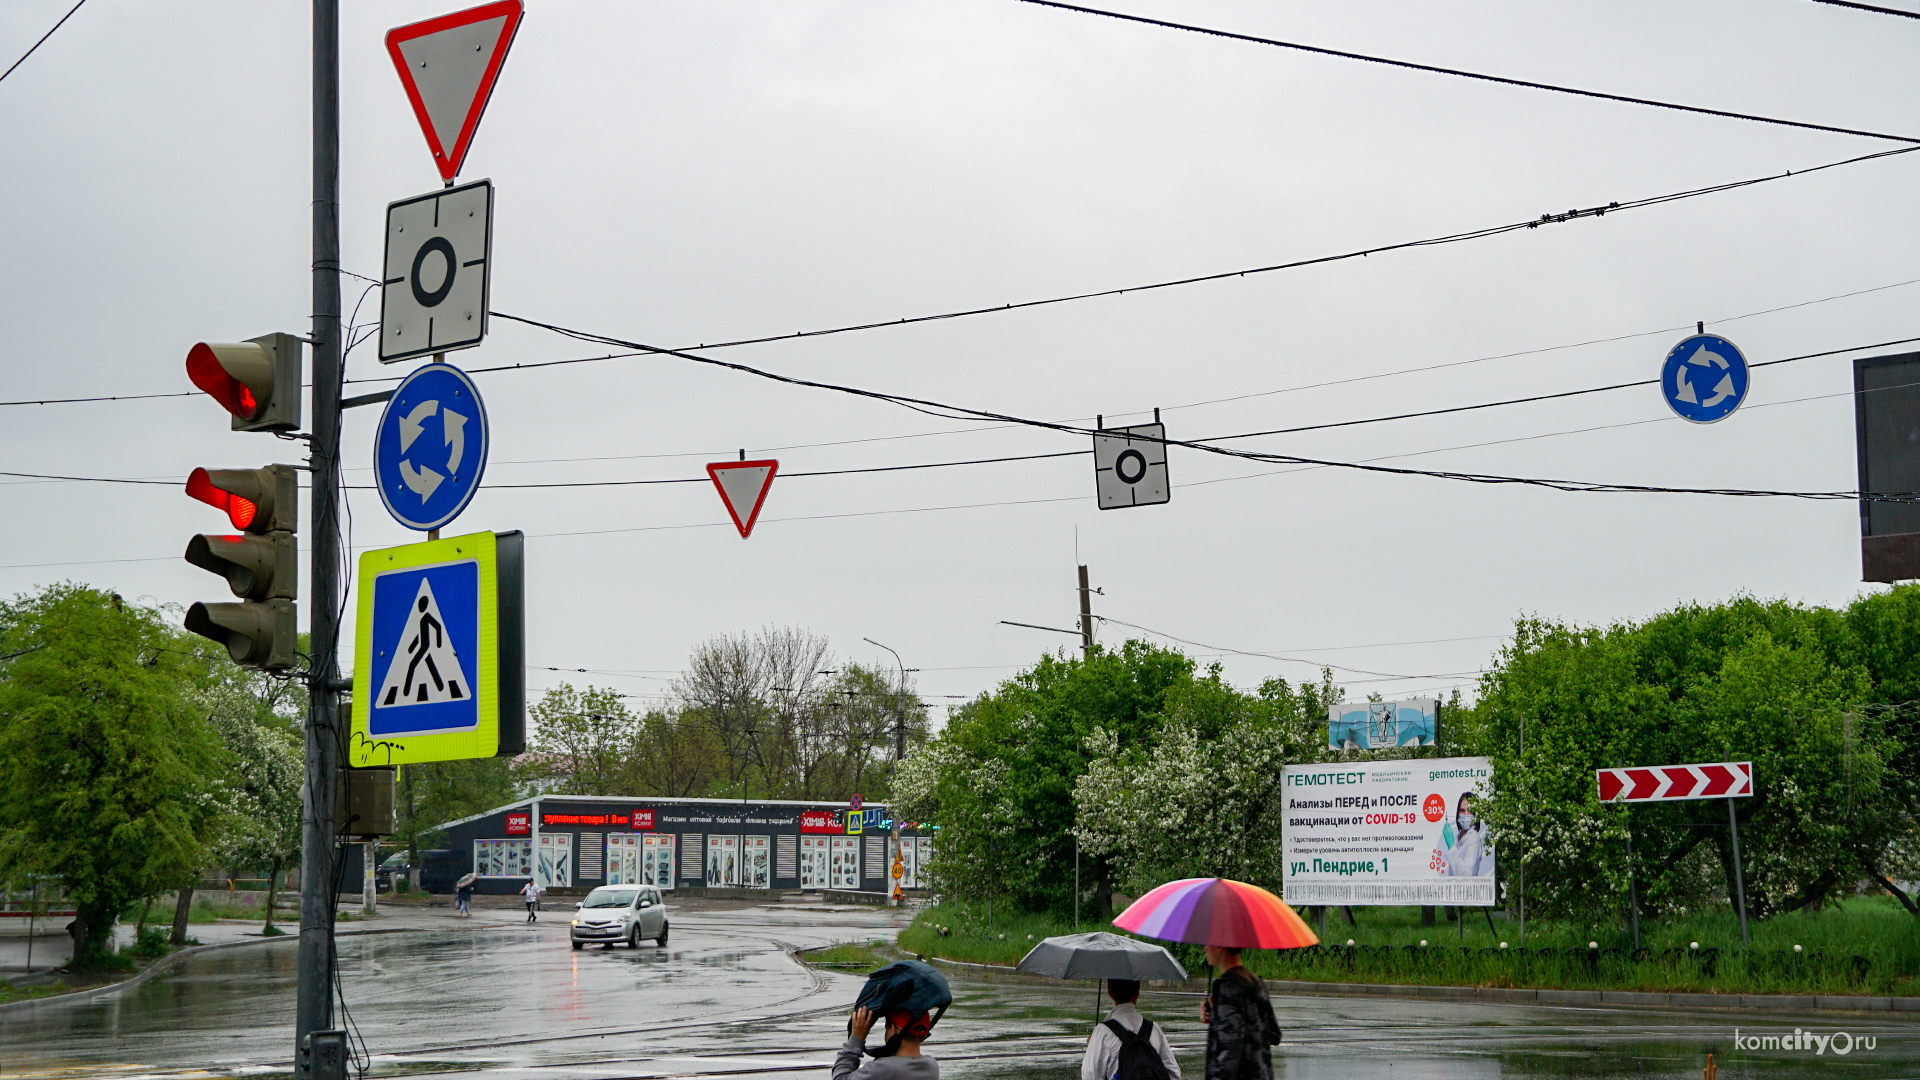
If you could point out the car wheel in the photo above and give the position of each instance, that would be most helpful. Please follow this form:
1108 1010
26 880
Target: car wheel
576 946
660 939
633 937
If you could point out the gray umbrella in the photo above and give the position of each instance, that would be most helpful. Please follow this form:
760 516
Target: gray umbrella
1101 955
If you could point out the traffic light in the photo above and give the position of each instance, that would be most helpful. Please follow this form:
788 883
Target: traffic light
258 382
259 564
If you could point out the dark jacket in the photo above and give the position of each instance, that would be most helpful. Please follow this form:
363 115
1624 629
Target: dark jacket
1241 1028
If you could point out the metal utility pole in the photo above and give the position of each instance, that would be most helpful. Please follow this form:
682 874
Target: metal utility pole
1739 880
313 1010
1086 615
899 744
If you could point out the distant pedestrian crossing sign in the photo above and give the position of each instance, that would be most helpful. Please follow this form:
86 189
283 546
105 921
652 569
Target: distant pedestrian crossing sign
438 661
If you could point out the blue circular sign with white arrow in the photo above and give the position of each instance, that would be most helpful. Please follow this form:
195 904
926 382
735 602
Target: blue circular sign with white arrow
431 447
1704 378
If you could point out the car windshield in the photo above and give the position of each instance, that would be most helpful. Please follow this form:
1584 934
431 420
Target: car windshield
395 860
609 897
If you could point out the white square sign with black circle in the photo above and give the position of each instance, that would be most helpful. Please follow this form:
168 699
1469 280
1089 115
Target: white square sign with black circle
1130 466
433 294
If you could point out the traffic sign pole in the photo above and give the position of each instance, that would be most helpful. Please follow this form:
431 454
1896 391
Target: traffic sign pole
313 1007
1739 880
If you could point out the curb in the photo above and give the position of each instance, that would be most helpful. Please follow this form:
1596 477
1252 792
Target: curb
168 960
1523 996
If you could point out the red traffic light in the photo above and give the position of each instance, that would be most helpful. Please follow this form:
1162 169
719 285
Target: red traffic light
256 500
205 368
239 511
258 381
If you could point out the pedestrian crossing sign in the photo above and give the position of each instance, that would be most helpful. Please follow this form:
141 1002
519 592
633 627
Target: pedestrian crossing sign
438 670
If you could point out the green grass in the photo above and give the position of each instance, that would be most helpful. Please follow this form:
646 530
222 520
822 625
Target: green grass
866 955
1555 954
9 994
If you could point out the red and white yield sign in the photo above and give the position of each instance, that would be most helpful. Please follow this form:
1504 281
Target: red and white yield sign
743 487
1721 780
448 65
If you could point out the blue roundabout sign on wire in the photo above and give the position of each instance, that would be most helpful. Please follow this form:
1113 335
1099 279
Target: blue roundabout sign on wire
1704 379
431 447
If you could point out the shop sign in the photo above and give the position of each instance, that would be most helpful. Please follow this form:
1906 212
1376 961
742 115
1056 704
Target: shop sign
582 819
642 819
520 824
820 821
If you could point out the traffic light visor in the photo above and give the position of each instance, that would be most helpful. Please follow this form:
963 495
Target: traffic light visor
238 376
239 511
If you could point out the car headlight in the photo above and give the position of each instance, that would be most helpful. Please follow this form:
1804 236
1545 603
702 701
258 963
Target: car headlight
575 922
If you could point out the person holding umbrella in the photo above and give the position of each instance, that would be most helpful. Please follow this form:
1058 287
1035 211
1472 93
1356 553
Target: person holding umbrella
1128 1046
1226 917
1241 1027
911 997
463 896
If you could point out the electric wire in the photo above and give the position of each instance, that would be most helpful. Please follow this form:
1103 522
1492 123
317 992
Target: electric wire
42 41
1272 656
1481 76
936 408
1871 7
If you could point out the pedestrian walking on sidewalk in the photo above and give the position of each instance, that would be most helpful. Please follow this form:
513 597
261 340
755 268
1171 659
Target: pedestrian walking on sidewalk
532 895
1241 1028
1128 1046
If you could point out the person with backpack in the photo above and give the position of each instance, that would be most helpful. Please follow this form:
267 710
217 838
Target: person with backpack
1241 1027
1128 1046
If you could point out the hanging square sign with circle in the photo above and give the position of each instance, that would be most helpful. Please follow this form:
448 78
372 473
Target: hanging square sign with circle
433 293
1130 466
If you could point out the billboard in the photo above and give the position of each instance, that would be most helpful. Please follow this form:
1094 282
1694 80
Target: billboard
1383 725
1387 832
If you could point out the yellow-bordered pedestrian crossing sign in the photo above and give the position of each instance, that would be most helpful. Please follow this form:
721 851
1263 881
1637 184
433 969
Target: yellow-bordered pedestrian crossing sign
438 670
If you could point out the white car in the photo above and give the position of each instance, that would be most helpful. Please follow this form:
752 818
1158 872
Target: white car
616 913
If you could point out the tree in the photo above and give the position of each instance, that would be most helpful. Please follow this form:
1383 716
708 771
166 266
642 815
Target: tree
1775 682
110 778
1202 799
583 742
1001 776
259 720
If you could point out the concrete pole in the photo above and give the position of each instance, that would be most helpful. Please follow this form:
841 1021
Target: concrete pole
1086 615
313 1006
369 893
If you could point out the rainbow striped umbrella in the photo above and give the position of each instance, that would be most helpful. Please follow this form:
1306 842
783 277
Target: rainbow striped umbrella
1216 911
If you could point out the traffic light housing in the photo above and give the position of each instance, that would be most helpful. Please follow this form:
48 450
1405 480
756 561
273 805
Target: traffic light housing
257 380
260 564
258 383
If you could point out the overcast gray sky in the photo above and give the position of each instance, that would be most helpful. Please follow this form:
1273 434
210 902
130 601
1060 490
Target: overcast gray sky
688 173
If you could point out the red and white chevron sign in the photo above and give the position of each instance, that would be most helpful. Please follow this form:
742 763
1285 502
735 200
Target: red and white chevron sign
1721 780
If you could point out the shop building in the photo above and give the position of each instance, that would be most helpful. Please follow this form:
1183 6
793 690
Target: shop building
581 841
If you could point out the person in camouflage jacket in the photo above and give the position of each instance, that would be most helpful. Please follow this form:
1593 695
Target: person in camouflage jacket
1241 1027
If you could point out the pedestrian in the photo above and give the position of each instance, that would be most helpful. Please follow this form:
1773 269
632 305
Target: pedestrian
905 1031
1241 1027
463 900
532 895
1128 1046
911 997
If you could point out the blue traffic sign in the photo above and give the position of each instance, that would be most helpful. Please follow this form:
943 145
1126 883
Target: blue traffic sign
426 650
431 447
1704 379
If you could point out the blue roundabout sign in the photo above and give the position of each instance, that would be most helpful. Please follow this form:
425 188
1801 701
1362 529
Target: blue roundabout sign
431 447
1704 378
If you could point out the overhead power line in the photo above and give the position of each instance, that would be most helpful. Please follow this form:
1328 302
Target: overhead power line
42 41
1481 76
1295 264
1357 253
949 411
1871 7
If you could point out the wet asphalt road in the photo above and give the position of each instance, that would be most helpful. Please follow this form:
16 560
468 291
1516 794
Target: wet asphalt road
495 999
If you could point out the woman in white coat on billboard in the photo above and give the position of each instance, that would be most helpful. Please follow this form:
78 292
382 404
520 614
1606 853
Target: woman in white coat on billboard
1468 855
